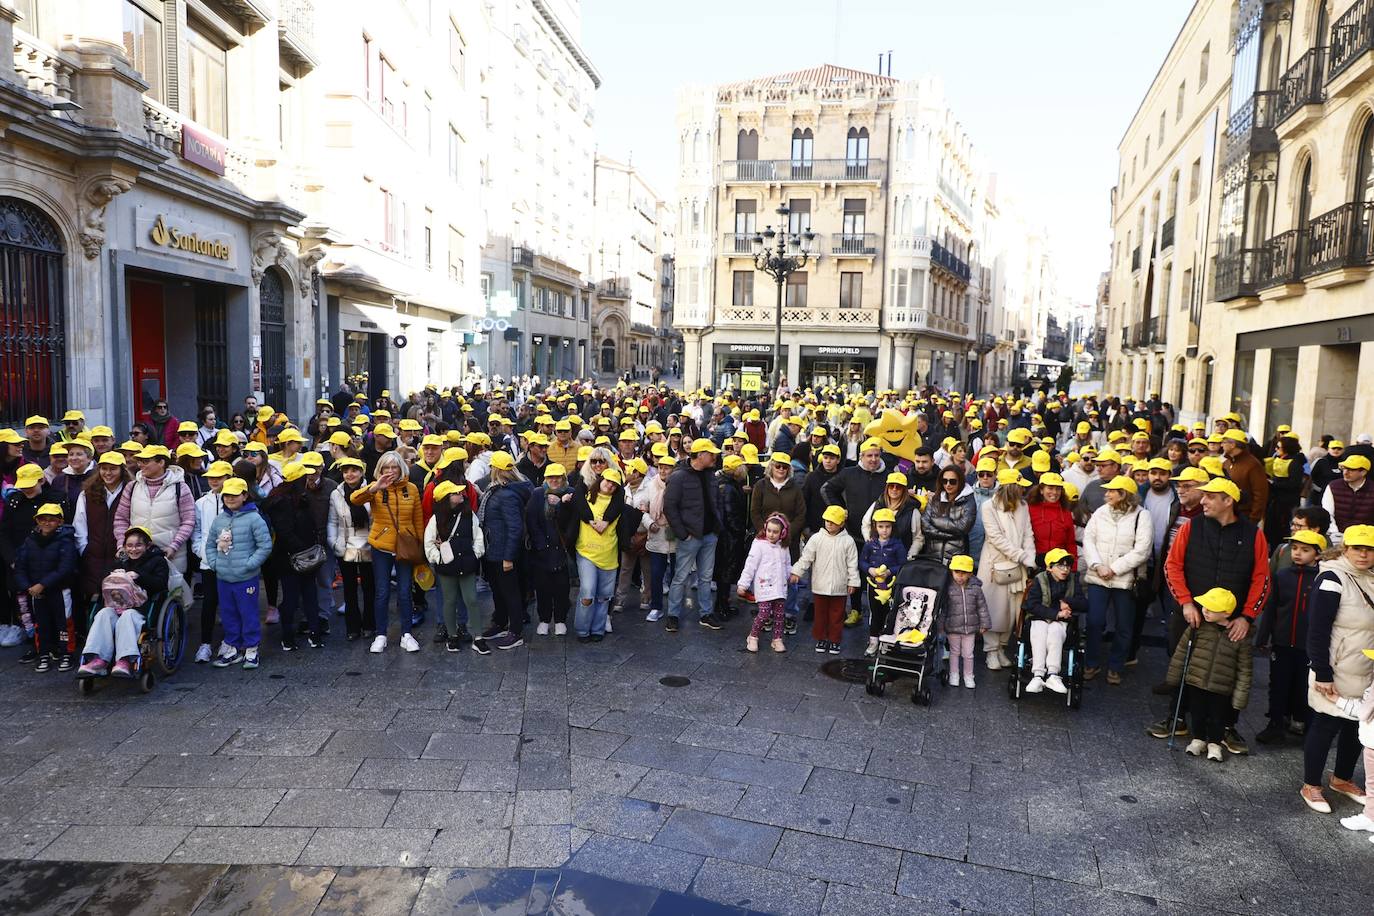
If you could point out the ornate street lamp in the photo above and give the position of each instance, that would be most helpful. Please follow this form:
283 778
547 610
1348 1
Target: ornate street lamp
780 261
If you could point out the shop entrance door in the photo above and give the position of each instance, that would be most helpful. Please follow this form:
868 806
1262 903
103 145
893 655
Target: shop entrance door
149 348
272 302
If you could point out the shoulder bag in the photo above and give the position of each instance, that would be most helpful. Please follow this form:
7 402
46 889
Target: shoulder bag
408 546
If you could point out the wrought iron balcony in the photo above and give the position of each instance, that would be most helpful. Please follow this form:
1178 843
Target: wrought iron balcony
1339 238
1302 85
296 32
942 257
1236 273
778 170
1166 234
1251 127
854 244
522 257
1282 261
741 245
986 342
1352 35
614 288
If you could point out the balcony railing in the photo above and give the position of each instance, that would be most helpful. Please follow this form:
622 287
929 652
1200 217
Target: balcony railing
741 244
1339 238
296 31
1351 36
917 245
770 170
1237 273
923 319
1166 234
1135 258
798 316
854 244
1251 127
43 70
1302 85
986 342
614 288
1282 261
942 257
522 257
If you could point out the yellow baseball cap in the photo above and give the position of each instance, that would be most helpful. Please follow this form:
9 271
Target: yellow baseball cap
1217 600
384 429
502 460
1223 486
1040 462
831 449
1051 479
28 475
191 449
1011 477
312 460
614 475
98 432
72 416
36 421
1122 482
115 459
1107 455
554 469
1311 538
836 515
447 488
234 486
1356 463
986 466
884 515
1057 555
730 462
1192 475
155 451
48 509
704 445
961 563
186 426
1358 536
1160 464
1236 435
293 471
216 468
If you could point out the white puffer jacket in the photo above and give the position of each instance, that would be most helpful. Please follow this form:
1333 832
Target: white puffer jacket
1121 540
207 507
342 533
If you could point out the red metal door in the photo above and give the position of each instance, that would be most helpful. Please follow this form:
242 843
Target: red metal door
149 345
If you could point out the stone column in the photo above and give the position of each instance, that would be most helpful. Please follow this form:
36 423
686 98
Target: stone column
1259 395
692 358
1362 421
8 17
901 361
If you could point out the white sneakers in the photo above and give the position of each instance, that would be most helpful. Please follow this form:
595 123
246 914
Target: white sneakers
560 629
542 629
654 615
1358 822
994 662
608 624
1197 747
1055 683
409 644
968 681
204 653
1036 685
872 646
954 680
378 645
778 646
1002 657
1214 752
751 643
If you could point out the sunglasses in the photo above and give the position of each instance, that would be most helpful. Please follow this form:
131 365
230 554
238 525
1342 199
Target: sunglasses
598 460
986 474
950 481
1196 451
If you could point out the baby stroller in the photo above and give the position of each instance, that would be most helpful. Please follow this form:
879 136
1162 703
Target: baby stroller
917 609
1070 666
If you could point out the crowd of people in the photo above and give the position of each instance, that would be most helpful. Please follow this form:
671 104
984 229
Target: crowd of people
463 508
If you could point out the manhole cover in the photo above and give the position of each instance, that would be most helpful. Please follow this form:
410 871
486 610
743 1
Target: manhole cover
675 680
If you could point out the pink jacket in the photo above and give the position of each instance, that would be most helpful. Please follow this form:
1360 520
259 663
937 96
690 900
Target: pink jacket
766 570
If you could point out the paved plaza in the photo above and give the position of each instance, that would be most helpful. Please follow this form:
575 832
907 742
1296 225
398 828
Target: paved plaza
763 783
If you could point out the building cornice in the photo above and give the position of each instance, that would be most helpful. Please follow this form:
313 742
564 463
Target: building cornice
569 43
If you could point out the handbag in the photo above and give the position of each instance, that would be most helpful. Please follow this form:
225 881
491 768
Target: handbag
307 560
408 546
1005 572
638 541
361 554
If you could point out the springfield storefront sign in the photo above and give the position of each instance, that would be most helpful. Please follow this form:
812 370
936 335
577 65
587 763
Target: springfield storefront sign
160 232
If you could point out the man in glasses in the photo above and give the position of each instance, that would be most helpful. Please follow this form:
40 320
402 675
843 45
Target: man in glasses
73 425
1197 450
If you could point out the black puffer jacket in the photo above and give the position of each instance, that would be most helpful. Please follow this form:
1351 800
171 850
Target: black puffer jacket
49 560
855 489
947 534
688 501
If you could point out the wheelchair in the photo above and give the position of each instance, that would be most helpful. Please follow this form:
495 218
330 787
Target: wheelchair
161 641
1071 665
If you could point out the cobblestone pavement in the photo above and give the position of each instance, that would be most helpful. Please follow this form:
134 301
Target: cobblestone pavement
760 783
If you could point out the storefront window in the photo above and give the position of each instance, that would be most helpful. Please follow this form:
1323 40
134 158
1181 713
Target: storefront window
921 367
1283 386
143 46
1243 384
206 65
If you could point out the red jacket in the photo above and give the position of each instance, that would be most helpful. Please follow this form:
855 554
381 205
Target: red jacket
1052 525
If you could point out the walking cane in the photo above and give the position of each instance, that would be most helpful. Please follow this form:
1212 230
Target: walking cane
1182 684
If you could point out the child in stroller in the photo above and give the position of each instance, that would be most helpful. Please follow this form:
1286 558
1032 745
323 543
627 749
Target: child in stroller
909 646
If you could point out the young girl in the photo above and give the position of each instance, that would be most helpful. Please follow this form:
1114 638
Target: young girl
453 546
765 574
43 570
881 550
140 572
1219 673
833 561
208 506
966 616
1054 596
236 547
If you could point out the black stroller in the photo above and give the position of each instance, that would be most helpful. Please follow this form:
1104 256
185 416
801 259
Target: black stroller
918 606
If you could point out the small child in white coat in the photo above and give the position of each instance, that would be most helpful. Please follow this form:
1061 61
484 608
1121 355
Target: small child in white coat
765 575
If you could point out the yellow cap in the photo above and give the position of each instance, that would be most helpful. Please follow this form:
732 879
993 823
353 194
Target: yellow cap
613 475
884 515
668 462
1073 457
36 421
1223 486
1020 435
410 426
191 449
1192 475
384 429
48 509
831 449
433 439
1217 600
1122 482
186 426
704 445
72 416
216 468
312 460
129 446
1236 435
1359 536
341 439
730 462
57 448
986 466
1160 464
155 451
1011 477
447 488
114 459
1071 492
1106 455
265 413
1051 479
1213 465
349 461
1084 427
1356 463
293 471
502 460
554 469
1040 462
101 431
961 563
1311 538
1057 555
255 447
234 486
225 437
836 515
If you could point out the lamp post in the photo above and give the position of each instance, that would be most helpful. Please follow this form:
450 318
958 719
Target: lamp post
779 254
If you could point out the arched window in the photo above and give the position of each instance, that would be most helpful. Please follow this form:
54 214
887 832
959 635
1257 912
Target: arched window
272 322
696 146
696 215
1171 205
1276 67
803 150
1305 197
1319 36
33 340
910 142
904 221
608 355
1261 218
1364 174
856 146
747 145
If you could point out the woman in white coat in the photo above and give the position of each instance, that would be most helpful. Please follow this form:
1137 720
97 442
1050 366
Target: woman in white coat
1116 547
1008 553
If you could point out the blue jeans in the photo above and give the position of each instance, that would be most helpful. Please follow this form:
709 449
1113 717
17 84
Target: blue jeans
382 565
658 569
594 590
694 556
1118 603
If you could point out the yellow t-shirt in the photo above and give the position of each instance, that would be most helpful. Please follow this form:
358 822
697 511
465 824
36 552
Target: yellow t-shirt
602 549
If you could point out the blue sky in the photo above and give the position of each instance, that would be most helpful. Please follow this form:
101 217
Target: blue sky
1044 89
